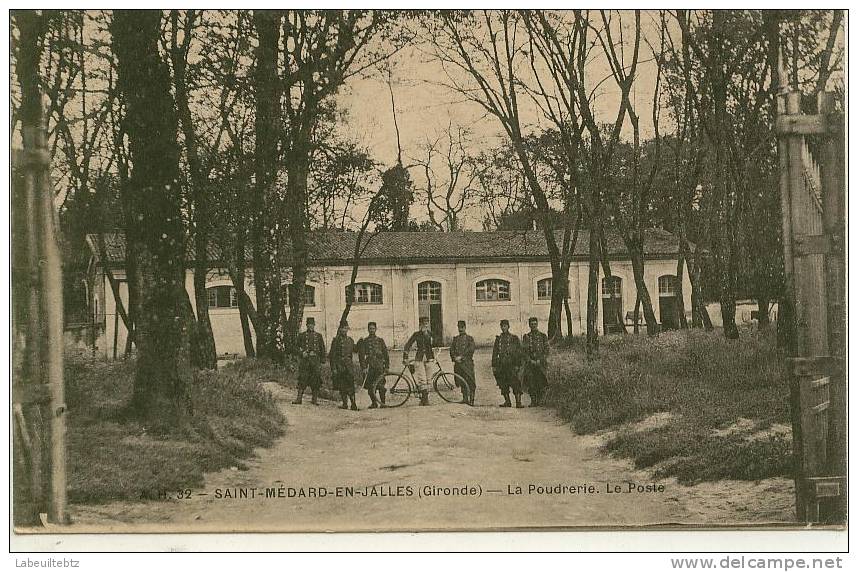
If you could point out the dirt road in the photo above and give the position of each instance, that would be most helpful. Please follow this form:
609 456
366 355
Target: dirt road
380 463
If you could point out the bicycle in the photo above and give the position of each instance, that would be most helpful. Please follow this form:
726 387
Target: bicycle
448 385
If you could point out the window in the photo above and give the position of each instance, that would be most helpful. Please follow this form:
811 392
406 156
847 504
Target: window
222 297
364 293
493 290
309 295
612 286
543 289
429 292
667 285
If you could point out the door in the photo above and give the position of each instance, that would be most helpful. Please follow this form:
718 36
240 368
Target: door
612 304
667 302
429 305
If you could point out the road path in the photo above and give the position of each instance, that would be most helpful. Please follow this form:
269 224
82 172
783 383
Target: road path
406 449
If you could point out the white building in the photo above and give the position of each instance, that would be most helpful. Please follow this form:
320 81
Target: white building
479 277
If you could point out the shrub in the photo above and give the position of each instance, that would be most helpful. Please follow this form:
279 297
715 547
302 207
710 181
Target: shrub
111 456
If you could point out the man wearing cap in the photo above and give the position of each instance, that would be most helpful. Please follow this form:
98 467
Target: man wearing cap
374 362
506 356
535 363
422 338
311 348
343 366
462 354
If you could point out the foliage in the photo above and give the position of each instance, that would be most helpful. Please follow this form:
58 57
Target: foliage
704 381
113 458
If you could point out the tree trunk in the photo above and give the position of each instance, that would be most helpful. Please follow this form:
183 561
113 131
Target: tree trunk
558 294
763 312
264 234
238 282
163 376
699 313
568 312
680 290
592 344
203 350
785 324
652 325
637 315
725 251
296 208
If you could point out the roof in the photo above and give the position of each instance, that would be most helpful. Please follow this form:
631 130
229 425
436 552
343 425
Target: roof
337 247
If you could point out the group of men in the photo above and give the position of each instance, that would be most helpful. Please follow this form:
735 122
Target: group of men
517 364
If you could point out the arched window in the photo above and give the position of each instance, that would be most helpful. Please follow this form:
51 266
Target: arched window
309 295
429 291
364 293
493 290
543 289
612 286
222 297
667 285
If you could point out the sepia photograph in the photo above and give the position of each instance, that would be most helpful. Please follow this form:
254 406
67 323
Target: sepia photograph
363 270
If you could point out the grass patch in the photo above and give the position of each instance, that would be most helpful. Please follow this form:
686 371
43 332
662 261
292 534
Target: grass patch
704 380
113 458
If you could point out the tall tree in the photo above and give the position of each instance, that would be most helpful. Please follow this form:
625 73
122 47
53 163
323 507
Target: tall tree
265 233
154 189
482 54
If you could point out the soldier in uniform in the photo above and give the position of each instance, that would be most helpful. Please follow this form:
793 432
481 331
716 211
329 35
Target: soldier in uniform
535 363
422 338
374 362
462 354
343 366
506 356
311 348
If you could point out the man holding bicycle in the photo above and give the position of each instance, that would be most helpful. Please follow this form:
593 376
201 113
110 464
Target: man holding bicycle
374 362
422 338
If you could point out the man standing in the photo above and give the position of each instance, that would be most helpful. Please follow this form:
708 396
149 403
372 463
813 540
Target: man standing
343 366
423 339
462 354
506 356
311 348
374 362
534 372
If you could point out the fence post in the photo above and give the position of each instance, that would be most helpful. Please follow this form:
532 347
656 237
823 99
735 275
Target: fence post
832 167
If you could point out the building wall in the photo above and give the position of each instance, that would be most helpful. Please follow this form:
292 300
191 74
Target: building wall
397 316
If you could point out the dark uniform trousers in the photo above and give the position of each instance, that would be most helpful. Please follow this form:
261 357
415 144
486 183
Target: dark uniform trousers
463 347
374 359
309 368
506 356
534 372
342 364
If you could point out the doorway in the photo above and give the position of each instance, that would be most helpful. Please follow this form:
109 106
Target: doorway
612 304
429 305
667 302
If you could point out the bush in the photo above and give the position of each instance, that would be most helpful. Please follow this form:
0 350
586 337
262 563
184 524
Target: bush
112 457
704 380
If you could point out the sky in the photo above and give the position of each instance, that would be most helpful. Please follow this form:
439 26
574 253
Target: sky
425 108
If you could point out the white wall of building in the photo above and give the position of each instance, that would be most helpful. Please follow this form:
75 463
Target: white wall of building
397 315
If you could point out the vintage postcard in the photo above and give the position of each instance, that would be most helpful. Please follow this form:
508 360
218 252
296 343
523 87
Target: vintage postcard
375 270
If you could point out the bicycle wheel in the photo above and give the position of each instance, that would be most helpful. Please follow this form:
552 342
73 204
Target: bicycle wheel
398 389
450 386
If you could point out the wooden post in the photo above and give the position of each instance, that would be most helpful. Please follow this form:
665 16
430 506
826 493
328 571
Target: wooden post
51 295
832 169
